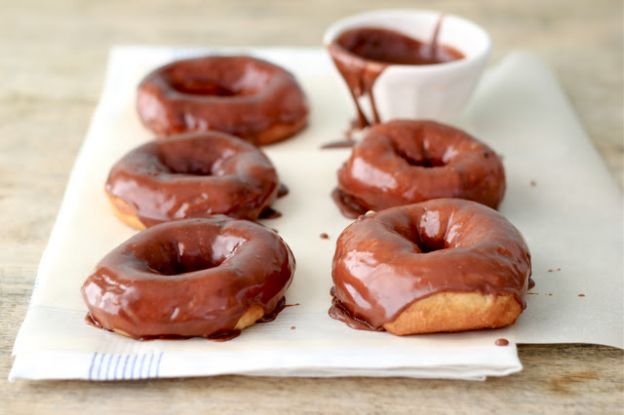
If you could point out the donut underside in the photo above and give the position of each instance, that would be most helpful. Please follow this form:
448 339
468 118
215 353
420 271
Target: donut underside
251 316
456 311
279 132
125 212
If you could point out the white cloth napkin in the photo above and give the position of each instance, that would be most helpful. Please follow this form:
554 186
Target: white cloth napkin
569 217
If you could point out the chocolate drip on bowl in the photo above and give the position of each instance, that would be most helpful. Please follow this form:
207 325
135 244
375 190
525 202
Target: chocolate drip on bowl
361 55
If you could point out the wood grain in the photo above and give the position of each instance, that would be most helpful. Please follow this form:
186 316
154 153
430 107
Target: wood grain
52 67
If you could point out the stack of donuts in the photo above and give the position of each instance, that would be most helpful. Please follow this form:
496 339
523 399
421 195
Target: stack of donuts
427 251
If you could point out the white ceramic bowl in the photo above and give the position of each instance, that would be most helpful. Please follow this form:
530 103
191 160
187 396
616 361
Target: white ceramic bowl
436 92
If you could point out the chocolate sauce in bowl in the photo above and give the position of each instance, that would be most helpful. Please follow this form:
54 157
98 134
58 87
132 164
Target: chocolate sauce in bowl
362 54
394 48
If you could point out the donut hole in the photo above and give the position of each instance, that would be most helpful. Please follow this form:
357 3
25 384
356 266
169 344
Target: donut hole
204 87
191 158
188 166
420 160
170 259
222 77
182 266
427 235
426 244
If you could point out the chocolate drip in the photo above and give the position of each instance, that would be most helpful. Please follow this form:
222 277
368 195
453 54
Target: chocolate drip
434 45
219 337
345 143
283 190
501 342
348 205
339 312
270 213
360 76
281 305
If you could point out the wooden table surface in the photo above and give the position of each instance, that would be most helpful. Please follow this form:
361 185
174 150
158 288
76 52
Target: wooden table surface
52 67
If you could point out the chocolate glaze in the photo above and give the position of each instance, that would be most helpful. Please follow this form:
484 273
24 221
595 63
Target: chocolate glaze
501 342
270 213
386 261
267 318
345 143
402 162
361 55
194 175
360 76
218 337
348 139
338 311
283 190
189 278
240 95
349 206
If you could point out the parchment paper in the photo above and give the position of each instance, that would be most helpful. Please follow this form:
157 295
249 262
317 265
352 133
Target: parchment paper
559 195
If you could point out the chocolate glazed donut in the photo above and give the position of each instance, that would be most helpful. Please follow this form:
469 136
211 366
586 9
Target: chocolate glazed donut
191 175
239 95
191 278
402 162
439 266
